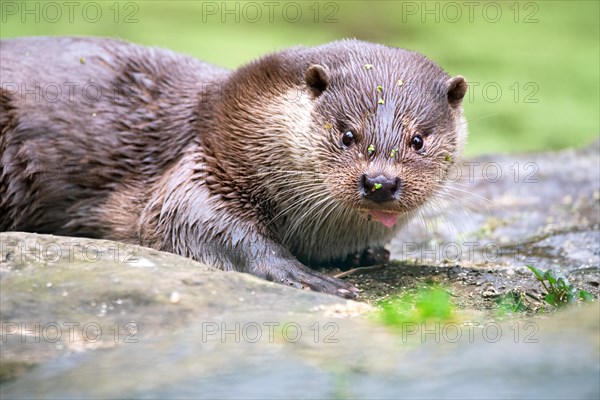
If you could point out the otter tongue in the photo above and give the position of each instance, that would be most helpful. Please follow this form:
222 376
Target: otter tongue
388 219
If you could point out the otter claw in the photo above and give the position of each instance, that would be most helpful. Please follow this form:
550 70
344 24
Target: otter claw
300 277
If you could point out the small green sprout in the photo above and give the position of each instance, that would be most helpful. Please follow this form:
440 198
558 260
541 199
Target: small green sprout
368 66
448 158
371 149
511 303
380 101
559 291
393 153
379 89
376 186
81 60
328 125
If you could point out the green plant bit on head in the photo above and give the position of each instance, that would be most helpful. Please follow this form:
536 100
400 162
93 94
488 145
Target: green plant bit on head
328 125
371 149
376 186
393 153
380 101
368 66
81 60
400 83
379 89
448 158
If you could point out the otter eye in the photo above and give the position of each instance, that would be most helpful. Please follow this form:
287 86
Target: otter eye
417 142
348 138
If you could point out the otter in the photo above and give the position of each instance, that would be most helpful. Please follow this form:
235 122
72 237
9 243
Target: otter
301 157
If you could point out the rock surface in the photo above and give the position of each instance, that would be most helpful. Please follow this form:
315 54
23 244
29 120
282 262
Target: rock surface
84 318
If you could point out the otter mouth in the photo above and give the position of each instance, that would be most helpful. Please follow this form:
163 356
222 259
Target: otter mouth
388 219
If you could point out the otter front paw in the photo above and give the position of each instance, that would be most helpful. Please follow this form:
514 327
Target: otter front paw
301 277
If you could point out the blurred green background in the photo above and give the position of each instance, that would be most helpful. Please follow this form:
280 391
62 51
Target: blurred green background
533 66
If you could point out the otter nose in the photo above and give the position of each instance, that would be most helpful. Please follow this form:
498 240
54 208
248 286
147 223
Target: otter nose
380 188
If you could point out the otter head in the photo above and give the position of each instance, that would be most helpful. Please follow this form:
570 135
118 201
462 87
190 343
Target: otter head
387 126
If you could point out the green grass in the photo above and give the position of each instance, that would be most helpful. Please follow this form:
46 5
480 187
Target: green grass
427 304
512 303
558 55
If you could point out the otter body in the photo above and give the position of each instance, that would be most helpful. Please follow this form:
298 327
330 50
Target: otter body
309 154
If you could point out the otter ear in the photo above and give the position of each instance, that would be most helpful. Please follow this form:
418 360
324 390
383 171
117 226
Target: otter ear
457 87
317 79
